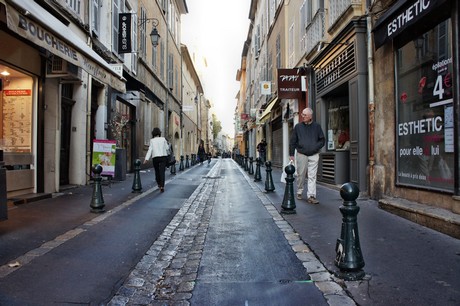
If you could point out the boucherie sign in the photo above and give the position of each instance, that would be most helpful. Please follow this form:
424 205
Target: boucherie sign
289 84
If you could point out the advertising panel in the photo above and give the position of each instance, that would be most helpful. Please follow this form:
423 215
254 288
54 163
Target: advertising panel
104 155
425 125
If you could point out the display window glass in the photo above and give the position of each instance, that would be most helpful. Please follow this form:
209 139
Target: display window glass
16 101
424 111
338 125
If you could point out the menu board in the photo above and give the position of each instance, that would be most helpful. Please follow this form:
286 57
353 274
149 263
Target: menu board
17 120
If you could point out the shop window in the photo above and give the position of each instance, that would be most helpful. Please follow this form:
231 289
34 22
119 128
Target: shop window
424 108
121 125
338 127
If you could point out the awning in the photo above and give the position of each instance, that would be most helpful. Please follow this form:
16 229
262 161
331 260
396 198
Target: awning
403 17
268 110
54 36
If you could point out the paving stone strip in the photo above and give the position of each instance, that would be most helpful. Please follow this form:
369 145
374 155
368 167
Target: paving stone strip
168 271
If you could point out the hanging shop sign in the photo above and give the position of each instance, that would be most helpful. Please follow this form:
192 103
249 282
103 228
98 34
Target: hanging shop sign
124 33
337 68
289 84
265 88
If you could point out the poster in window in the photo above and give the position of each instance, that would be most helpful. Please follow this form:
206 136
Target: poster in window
424 126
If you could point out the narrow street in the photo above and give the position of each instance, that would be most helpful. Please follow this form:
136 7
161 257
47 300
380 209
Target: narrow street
214 237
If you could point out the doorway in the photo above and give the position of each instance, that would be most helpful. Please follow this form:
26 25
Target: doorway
66 125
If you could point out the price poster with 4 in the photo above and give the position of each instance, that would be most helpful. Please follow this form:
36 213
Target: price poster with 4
425 115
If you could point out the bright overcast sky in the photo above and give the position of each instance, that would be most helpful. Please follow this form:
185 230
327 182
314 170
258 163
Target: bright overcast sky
216 30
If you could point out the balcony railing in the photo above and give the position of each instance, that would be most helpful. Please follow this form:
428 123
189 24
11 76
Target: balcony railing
314 32
338 7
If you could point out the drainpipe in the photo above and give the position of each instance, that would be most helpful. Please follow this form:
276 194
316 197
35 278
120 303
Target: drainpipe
456 54
88 127
371 106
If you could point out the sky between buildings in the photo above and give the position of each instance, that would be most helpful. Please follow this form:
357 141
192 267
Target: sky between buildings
214 32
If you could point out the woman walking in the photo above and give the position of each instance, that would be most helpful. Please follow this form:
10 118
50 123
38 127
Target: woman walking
158 150
201 153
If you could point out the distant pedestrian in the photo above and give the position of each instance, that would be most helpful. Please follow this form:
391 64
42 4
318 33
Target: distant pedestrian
201 153
308 139
158 150
262 149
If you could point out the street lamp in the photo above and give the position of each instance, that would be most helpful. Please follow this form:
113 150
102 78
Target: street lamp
154 35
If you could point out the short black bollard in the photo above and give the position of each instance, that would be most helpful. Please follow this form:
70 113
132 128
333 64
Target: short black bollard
288 205
137 185
193 160
257 176
187 163
251 167
97 200
172 169
181 165
269 186
246 164
349 258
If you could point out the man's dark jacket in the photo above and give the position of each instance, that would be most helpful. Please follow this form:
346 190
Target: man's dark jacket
308 139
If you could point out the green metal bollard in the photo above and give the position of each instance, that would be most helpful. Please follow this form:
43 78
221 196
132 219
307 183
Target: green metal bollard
288 206
181 165
97 200
269 186
187 164
251 167
257 176
349 258
137 185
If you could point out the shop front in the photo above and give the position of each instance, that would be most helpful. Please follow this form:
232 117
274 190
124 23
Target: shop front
425 53
49 79
341 107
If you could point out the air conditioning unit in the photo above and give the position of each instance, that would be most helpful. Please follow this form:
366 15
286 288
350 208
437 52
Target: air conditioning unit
57 67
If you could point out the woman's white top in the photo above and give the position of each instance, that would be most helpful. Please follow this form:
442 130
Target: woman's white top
158 147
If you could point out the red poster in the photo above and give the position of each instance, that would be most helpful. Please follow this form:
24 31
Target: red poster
17 92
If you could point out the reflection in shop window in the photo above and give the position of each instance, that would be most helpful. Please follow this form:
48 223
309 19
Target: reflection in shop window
338 127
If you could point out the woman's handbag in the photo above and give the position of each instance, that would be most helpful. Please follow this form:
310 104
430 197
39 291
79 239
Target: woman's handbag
171 157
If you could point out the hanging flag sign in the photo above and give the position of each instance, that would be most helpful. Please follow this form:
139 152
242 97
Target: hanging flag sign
265 88
289 84
124 33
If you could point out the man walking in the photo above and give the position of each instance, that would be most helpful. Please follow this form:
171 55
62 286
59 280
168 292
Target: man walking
308 139
262 149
